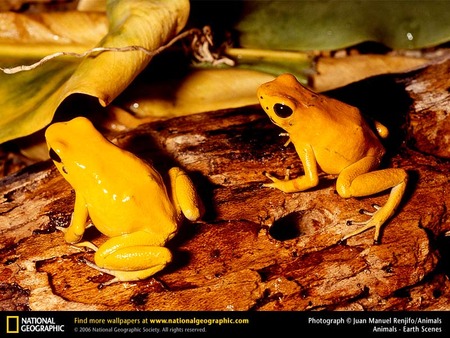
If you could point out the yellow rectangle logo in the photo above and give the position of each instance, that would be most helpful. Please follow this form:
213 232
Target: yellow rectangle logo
12 324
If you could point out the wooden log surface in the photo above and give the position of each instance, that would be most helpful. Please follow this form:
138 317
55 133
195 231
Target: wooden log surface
256 248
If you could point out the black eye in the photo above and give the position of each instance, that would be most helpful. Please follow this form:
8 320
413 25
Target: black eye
282 110
54 156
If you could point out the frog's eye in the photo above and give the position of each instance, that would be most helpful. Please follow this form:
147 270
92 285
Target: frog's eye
282 110
54 156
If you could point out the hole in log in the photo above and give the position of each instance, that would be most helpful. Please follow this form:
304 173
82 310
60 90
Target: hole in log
298 223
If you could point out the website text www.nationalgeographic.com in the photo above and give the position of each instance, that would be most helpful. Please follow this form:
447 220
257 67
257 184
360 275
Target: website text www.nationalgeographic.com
151 325
177 320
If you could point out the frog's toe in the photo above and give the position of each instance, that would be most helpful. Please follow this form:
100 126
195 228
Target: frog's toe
62 229
267 174
267 185
365 212
272 185
86 244
370 213
272 178
365 225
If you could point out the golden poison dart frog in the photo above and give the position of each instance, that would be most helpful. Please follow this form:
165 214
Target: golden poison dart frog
333 137
124 197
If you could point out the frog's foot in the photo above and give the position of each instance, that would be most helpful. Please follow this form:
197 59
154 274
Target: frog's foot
370 183
124 276
377 218
79 244
70 235
276 181
289 185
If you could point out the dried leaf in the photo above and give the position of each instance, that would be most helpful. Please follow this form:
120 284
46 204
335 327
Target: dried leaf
29 99
337 72
200 90
50 30
91 5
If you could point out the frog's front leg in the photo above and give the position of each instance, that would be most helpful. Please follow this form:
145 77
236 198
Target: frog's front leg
78 222
357 180
184 195
132 257
309 180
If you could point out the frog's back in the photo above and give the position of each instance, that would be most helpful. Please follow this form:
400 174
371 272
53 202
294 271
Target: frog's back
337 133
130 195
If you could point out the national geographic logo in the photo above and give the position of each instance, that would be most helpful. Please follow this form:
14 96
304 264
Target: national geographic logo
18 324
12 324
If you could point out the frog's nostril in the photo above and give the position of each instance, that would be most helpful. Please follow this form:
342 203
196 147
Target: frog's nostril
54 156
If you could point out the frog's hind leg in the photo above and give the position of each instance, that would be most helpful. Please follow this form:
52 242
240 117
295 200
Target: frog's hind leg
132 257
357 181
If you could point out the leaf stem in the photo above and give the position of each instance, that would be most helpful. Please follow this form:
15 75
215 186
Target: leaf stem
247 54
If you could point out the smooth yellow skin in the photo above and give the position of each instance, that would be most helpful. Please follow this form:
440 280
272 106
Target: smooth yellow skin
332 137
125 199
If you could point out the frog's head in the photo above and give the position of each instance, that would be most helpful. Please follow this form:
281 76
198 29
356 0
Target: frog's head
69 144
284 99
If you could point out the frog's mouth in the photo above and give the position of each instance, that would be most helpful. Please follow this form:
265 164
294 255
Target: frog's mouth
273 121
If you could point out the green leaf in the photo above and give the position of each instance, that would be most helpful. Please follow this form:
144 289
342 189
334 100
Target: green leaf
29 99
330 25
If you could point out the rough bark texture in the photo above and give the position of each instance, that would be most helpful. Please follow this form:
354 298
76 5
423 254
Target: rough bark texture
256 248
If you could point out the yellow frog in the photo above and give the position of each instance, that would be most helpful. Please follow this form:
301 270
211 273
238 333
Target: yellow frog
124 197
332 136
